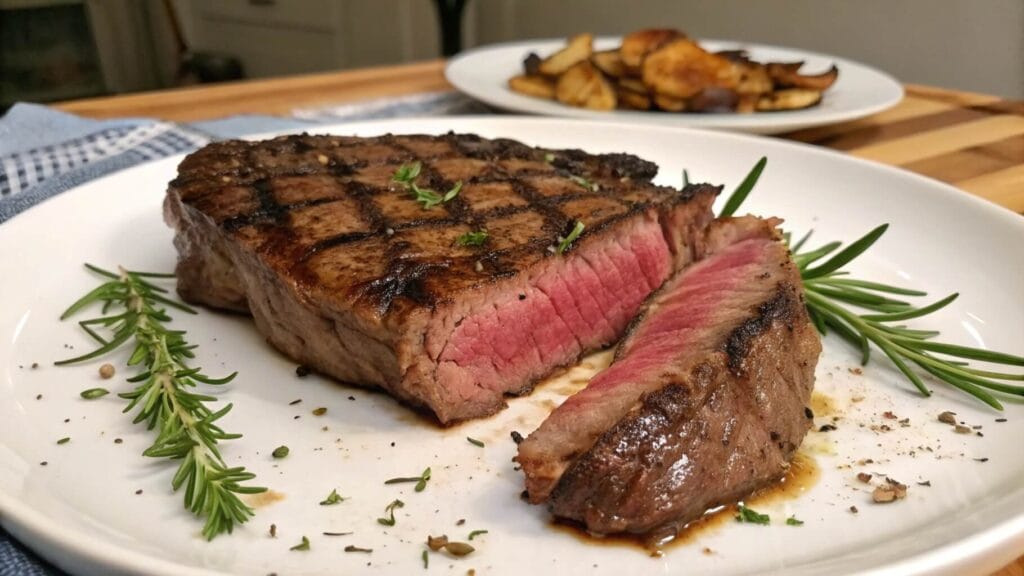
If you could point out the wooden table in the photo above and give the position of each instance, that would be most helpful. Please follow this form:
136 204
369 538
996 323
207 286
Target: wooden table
972 141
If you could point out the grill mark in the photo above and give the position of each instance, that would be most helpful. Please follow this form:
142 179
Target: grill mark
404 278
273 219
782 306
242 220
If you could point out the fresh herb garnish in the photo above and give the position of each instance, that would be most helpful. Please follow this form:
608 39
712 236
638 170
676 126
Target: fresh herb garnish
332 498
686 178
590 186
187 427
280 452
421 480
743 190
425 196
475 442
476 533
453 192
472 238
564 243
426 559
831 296
389 512
751 516
319 411
93 393
337 533
549 157
406 175
792 521
64 440
302 546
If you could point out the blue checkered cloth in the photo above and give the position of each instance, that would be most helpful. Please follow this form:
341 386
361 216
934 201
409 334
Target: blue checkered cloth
44 152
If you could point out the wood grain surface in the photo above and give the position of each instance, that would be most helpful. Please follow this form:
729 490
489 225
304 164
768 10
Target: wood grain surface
972 141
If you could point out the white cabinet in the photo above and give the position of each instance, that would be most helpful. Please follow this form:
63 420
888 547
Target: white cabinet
278 37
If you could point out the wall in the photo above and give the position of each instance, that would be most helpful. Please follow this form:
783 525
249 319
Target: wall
969 45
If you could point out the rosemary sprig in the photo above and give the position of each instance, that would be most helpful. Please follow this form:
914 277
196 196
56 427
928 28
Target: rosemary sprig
186 427
832 297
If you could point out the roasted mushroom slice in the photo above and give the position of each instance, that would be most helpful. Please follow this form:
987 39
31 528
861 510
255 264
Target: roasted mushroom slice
609 62
579 48
633 84
639 44
531 64
632 99
714 100
681 69
669 104
788 99
537 86
787 75
753 78
584 86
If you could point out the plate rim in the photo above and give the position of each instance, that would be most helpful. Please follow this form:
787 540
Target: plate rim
753 123
39 532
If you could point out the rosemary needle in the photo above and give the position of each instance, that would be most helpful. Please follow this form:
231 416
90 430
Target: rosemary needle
135 310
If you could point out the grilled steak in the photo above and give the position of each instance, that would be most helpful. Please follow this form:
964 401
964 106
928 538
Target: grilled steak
705 401
344 271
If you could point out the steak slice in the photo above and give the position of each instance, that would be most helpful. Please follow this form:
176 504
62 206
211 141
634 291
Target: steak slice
705 401
344 271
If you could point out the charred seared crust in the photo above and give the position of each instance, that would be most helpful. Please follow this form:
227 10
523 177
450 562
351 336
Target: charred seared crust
782 307
248 189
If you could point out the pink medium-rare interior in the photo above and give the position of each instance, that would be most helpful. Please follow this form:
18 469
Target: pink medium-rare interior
680 312
679 322
565 310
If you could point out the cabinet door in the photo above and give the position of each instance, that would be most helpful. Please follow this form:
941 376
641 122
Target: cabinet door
279 37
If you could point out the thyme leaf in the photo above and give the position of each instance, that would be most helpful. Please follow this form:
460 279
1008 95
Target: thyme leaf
93 393
472 238
421 480
590 186
565 243
301 546
332 498
389 513
751 516
406 175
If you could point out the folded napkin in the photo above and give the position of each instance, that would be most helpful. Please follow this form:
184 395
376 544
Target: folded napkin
44 152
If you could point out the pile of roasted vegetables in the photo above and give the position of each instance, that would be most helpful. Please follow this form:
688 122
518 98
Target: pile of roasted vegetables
662 69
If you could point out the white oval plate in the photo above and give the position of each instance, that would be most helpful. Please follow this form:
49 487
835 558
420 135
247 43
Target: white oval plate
860 91
81 510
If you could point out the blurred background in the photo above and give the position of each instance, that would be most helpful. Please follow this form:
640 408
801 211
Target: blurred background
53 50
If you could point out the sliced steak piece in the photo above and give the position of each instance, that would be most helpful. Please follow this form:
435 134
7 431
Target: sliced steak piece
344 271
705 401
